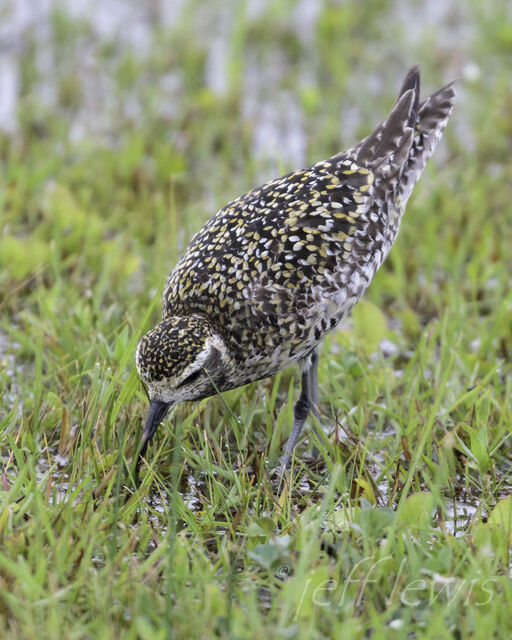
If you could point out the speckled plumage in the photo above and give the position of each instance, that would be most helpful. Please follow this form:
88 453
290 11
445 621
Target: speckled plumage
267 276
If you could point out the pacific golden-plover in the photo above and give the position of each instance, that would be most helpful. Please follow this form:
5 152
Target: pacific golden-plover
272 272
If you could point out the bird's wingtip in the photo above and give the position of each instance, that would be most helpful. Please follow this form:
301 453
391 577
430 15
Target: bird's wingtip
411 81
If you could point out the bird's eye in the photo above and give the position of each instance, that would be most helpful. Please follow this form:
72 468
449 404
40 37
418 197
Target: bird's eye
191 378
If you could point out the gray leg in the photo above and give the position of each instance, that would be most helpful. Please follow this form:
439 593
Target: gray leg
307 401
313 383
313 393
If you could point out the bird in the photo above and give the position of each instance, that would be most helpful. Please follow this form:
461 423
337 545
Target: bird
271 273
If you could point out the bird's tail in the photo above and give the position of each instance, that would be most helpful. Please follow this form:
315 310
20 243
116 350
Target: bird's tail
400 146
433 115
386 150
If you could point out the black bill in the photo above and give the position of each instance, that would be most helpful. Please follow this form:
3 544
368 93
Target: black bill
156 413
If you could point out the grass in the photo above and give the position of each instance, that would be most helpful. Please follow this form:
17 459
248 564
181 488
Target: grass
403 529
